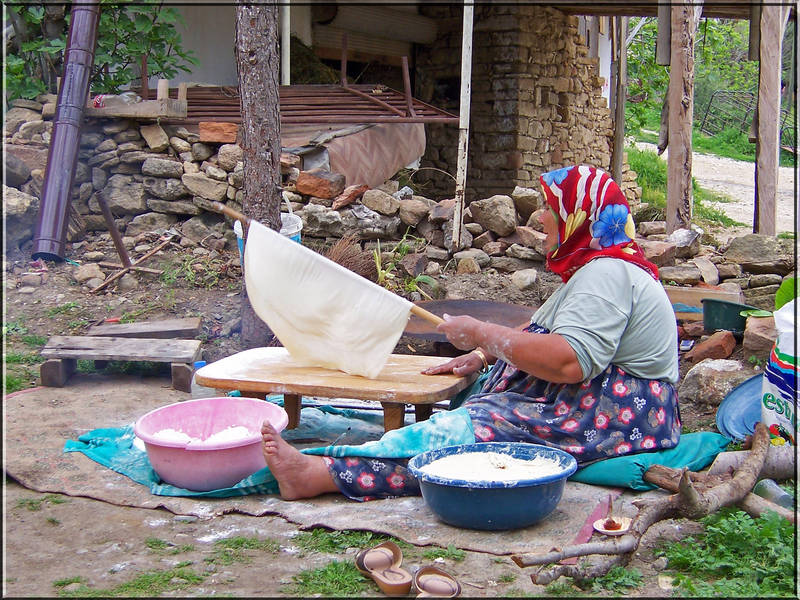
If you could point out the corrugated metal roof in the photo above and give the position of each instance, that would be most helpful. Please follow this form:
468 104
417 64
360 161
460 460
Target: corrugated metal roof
318 104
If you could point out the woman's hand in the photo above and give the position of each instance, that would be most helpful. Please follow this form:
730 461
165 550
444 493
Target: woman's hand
466 364
461 331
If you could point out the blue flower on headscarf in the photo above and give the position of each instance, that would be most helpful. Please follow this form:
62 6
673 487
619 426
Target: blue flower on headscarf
610 226
558 176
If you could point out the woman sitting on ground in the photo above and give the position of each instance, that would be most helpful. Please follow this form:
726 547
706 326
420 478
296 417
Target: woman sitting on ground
592 374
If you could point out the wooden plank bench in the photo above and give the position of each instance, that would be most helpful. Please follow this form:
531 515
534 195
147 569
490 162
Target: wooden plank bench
63 351
188 328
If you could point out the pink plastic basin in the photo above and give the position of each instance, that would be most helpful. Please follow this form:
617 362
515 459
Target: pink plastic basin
208 466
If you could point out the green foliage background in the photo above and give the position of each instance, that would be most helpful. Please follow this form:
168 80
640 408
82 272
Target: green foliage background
128 30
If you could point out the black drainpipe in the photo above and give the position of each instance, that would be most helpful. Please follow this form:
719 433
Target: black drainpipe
51 228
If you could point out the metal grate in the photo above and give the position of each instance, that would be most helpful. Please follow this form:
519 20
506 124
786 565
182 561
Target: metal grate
318 104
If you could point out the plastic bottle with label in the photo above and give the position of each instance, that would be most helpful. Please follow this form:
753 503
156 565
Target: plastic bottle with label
201 391
767 488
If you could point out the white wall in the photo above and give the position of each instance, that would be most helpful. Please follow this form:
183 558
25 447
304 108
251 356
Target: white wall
210 32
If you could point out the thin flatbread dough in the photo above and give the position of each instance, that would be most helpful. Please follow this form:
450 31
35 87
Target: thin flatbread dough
324 314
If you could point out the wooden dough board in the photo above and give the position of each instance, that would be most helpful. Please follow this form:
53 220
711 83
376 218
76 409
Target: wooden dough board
273 370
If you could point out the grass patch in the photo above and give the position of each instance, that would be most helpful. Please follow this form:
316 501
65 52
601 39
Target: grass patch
239 550
651 173
736 556
507 578
336 542
34 504
336 579
23 358
561 588
451 552
14 383
618 580
160 546
63 309
33 340
146 585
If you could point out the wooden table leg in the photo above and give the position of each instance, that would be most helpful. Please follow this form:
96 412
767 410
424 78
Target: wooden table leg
56 371
394 414
423 411
292 403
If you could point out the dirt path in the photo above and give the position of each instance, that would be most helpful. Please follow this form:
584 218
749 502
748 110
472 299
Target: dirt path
736 179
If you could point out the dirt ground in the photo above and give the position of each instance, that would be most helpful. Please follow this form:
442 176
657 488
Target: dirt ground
51 538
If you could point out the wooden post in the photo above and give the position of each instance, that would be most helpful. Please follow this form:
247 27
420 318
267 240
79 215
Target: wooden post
768 118
619 104
463 122
144 90
162 91
286 43
684 19
663 35
594 36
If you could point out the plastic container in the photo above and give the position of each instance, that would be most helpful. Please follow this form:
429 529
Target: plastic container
724 315
203 466
201 391
767 488
493 505
237 229
291 224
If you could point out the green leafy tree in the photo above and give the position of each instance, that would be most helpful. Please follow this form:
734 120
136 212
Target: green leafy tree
127 31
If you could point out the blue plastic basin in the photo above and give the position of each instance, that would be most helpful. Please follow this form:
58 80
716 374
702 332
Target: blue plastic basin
493 505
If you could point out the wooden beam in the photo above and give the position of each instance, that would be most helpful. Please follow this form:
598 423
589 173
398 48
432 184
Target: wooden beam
621 68
684 19
768 118
663 34
463 123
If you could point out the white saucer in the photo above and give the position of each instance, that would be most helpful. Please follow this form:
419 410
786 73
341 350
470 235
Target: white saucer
625 523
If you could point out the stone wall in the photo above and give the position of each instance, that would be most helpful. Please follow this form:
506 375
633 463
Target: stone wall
536 99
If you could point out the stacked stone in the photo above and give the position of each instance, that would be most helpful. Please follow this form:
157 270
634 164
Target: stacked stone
536 98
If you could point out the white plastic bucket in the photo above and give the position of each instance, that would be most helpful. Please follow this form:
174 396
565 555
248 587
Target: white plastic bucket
291 224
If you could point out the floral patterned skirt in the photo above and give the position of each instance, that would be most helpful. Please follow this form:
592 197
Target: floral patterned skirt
613 414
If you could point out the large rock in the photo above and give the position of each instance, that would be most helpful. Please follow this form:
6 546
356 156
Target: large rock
496 214
17 172
320 183
474 253
16 117
174 207
228 155
203 225
155 136
759 336
147 222
162 167
319 221
526 201
758 253
87 272
166 189
20 212
687 242
201 185
33 156
709 381
412 211
350 194
124 196
381 202
682 274
661 254
719 345
368 224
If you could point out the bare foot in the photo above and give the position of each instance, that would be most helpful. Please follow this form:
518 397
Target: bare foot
299 475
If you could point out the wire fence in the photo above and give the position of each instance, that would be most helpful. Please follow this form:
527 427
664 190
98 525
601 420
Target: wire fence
729 109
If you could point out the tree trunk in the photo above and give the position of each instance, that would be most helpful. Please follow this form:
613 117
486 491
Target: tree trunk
257 59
